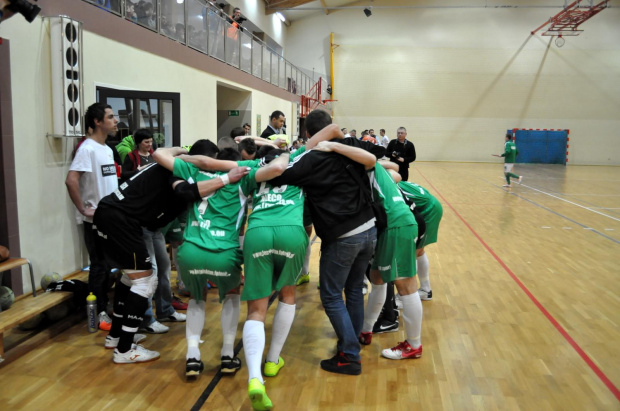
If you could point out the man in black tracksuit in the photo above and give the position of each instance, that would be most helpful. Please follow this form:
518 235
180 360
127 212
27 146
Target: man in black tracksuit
402 152
345 222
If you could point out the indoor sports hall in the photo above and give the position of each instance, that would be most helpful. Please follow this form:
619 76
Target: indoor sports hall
526 302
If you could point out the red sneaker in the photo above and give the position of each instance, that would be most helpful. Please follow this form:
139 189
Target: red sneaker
365 338
402 351
178 304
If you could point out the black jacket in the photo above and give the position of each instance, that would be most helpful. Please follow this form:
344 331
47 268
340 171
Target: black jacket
337 203
406 150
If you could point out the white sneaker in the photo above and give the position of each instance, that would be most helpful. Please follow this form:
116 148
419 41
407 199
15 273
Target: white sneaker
137 354
155 328
111 342
507 185
425 295
176 317
520 179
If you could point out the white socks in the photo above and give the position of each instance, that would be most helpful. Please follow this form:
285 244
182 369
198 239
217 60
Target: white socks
306 268
412 316
376 299
193 327
282 322
229 319
253 346
425 282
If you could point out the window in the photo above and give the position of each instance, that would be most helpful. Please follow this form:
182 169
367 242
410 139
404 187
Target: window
158 112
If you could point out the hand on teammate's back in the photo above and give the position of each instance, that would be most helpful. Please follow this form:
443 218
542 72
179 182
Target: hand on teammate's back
237 173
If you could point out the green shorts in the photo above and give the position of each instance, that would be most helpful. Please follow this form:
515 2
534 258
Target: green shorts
395 253
273 258
197 265
432 220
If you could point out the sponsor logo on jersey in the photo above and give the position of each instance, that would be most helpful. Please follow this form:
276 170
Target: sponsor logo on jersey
108 170
210 272
263 253
385 268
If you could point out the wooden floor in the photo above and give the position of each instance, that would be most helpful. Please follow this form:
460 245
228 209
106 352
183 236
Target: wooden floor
525 315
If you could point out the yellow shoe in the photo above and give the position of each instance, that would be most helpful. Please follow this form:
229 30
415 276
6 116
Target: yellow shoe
304 278
258 396
272 368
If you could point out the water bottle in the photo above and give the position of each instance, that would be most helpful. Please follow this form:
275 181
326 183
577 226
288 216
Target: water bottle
91 313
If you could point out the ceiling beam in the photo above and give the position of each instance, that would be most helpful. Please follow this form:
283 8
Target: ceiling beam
325 7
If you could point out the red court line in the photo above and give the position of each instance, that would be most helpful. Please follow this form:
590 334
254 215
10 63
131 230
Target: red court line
601 375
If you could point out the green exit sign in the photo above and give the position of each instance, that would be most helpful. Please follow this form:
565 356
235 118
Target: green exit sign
233 113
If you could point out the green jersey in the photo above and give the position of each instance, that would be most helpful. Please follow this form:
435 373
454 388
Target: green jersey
214 222
424 201
386 193
275 206
510 152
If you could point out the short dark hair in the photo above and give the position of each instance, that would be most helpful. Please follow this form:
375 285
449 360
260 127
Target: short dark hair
508 135
382 130
235 9
247 124
94 112
229 153
264 150
237 131
272 155
316 121
140 135
205 148
248 145
276 114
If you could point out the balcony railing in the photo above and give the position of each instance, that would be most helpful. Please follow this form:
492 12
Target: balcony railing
204 27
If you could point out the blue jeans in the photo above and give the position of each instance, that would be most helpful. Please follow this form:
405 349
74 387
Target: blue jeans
342 266
156 245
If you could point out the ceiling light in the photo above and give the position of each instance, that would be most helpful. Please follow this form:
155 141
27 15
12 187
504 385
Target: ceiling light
367 12
280 16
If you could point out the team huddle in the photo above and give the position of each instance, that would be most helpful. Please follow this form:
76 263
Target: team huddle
365 216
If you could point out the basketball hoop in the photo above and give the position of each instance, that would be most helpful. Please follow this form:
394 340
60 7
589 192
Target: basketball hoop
559 41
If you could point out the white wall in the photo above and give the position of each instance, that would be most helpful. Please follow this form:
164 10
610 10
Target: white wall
48 233
457 78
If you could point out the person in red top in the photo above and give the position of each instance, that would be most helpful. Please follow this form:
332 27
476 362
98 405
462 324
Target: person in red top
367 137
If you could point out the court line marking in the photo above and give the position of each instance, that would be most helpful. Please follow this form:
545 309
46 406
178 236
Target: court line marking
563 216
599 373
570 202
218 375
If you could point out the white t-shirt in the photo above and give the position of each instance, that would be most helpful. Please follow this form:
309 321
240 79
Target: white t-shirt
385 140
99 178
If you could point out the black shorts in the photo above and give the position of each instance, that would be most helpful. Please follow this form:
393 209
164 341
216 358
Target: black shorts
120 237
421 228
307 215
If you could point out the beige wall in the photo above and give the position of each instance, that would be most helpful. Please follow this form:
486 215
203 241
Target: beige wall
48 233
458 78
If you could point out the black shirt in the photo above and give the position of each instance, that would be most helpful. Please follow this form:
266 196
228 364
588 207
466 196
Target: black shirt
147 197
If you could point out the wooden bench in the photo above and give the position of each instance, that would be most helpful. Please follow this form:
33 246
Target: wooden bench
12 263
28 306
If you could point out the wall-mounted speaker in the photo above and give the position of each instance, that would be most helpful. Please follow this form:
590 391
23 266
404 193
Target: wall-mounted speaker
67 76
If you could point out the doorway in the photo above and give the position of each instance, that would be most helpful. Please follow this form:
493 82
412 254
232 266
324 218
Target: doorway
234 109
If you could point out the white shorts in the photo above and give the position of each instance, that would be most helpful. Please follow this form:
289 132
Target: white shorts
508 167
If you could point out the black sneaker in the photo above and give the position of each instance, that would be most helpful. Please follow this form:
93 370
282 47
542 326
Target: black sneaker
340 364
193 367
384 326
230 365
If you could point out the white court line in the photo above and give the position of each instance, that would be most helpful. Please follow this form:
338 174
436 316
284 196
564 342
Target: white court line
570 202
